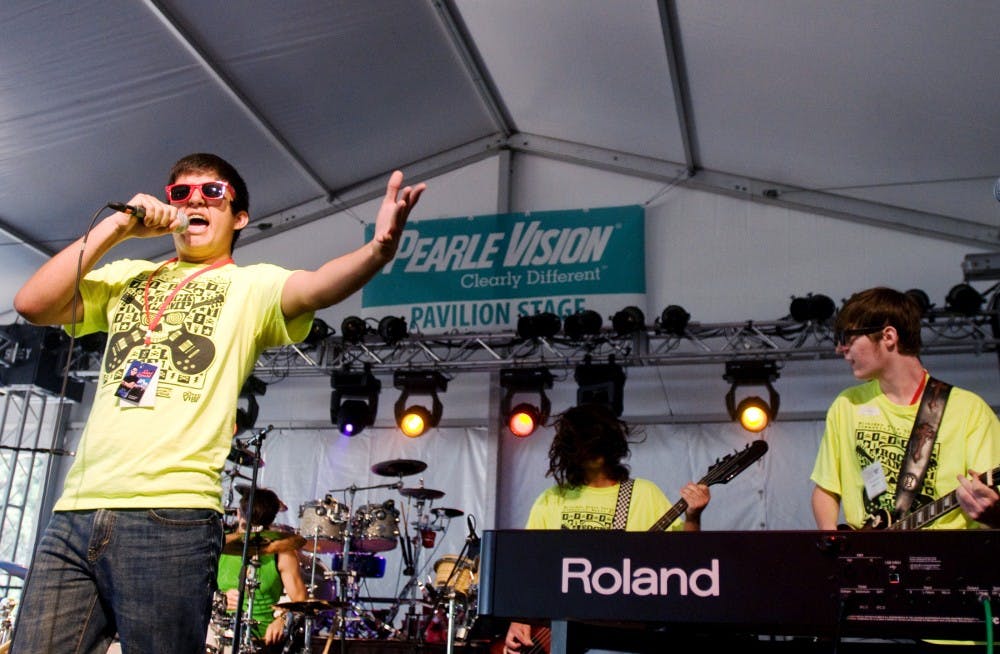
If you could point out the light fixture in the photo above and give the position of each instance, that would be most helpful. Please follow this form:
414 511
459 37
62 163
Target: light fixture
674 320
354 399
600 383
525 417
317 333
353 329
753 413
416 419
964 299
586 322
812 308
628 321
922 299
540 325
246 405
392 329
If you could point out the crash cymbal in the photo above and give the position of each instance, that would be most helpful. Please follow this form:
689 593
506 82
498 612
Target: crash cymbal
421 493
243 457
312 606
399 467
263 542
447 513
13 569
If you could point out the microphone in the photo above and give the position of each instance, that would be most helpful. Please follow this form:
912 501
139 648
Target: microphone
473 539
140 213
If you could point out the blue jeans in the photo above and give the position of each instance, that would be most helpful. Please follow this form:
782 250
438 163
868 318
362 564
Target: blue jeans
147 574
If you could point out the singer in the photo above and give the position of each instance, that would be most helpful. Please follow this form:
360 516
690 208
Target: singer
134 541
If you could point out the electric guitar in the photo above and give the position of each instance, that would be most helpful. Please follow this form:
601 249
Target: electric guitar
925 514
721 472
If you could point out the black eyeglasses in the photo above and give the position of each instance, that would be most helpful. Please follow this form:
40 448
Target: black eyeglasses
842 337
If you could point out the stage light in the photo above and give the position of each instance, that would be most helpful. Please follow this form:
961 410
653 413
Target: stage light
628 321
354 329
414 420
600 383
317 333
964 299
753 413
674 320
392 329
812 308
525 417
540 325
247 408
922 299
582 323
354 400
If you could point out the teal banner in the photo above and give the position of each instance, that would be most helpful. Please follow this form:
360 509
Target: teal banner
546 254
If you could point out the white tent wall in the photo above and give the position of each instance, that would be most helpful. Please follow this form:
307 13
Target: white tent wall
722 258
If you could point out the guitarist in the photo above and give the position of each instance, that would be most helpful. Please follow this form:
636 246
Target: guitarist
586 460
869 426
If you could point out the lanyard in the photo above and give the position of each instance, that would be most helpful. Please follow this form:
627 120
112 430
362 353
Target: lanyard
154 322
920 389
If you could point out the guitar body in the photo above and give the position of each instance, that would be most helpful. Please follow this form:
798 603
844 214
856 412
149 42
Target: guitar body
541 636
924 514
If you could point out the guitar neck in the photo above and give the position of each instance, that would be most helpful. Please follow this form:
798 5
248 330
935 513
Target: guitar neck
679 507
931 512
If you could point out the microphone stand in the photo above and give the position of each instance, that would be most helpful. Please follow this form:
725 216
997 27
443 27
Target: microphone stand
256 442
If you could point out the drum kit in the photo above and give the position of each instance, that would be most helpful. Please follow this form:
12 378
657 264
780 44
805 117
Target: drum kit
353 539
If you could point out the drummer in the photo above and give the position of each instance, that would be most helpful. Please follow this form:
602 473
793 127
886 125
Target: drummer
277 575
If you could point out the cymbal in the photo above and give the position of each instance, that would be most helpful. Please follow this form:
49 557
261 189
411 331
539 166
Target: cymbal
421 493
263 542
399 467
447 513
13 569
243 457
312 606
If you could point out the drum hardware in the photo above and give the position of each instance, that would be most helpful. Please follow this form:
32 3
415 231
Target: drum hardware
250 585
425 536
13 569
240 635
7 619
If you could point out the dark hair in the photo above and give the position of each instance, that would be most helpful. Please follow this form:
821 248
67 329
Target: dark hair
884 307
204 162
265 507
583 434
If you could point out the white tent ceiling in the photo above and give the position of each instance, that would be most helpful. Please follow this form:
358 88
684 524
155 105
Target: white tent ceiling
874 110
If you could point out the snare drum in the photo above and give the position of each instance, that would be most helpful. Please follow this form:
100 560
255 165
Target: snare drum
462 580
322 524
377 527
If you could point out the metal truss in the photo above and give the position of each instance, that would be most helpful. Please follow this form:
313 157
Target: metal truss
781 341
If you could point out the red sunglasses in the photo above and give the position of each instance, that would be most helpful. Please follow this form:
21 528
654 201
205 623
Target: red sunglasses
177 193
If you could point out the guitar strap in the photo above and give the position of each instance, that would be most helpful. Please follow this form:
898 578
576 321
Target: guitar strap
621 508
918 449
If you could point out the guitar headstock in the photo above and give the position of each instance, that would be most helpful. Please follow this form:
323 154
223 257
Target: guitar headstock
723 470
